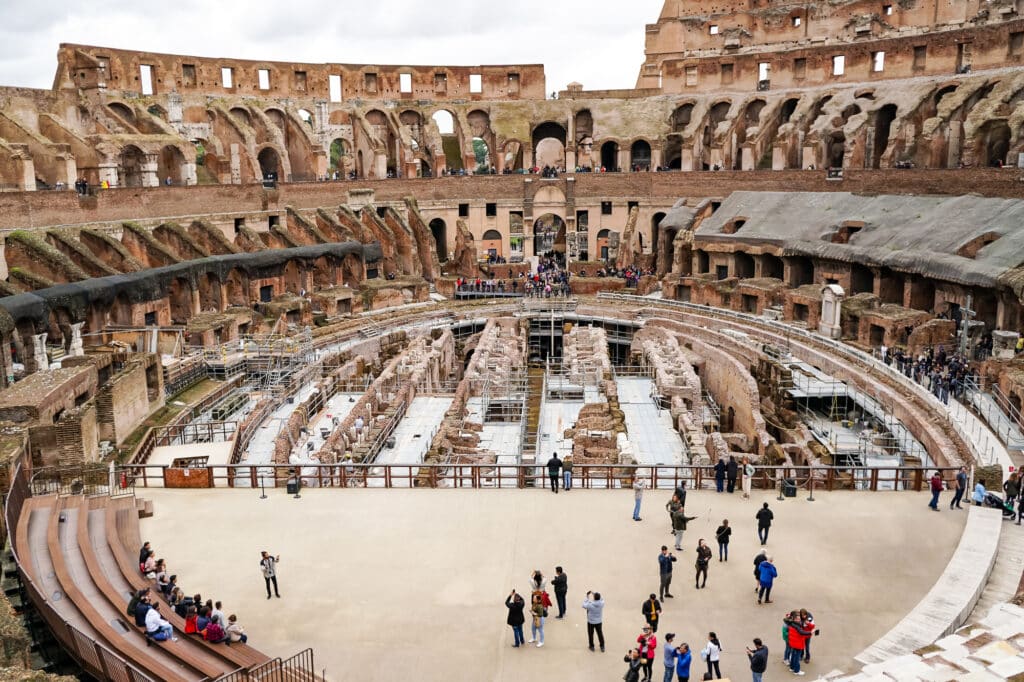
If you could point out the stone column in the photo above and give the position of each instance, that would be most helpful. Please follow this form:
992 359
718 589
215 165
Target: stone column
830 323
108 172
148 171
236 165
39 360
75 346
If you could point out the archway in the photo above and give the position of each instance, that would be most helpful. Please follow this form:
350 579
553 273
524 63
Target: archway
482 153
170 165
994 139
491 246
640 155
836 149
181 301
513 155
451 145
610 156
132 159
292 277
548 234
270 164
338 157
549 130
439 230
209 292
242 115
788 109
602 243
681 117
883 125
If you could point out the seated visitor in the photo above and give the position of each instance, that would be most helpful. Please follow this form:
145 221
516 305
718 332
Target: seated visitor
156 627
191 618
214 632
236 633
141 610
149 565
139 596
203 621
143 555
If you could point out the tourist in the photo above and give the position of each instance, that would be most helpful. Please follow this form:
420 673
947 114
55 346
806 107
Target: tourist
537 582
176 597
767 574
961 487
515 604
978 497
651 609
156 627
758 658
537 612
761 556
1020 505
566 471
797 638
214 632
139 597
720 468
1012 489
731 470
647 645
670 657
722 537
149 565
635 666
679 521
748 477
554 471
665 561
638 495
142 607
703 558
936 486
203 621
268 564
191 621
235 632
764 518
143 555
711 653
671 506
594 606
218 614
808 620
683 659
561 584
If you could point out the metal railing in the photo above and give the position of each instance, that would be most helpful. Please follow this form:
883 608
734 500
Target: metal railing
597 476
298 668
88 480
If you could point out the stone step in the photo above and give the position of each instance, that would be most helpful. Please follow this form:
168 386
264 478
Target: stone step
1006 573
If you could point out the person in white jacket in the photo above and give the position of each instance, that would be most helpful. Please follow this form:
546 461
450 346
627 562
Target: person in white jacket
711 653
156 627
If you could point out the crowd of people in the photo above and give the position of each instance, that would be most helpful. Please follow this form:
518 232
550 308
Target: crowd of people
798 626
944 374
203 619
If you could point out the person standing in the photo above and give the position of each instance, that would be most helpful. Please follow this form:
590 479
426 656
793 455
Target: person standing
761 556
731 470
679 521
638 495
748 477
764 518
808 620
683 662
537 623
711 653
720 475
567 473
665 561
671 507
268 564
703 559
722 536
768 573
936 486
561 585
595 616
647 645
798 634
961 488
758 658
670 653
651 609
554 472
515 604
632 657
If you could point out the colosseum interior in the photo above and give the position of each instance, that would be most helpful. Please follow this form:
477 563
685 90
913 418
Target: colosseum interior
785 245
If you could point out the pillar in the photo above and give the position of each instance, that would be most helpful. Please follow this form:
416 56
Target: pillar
39 360
108 172
148 171
75 347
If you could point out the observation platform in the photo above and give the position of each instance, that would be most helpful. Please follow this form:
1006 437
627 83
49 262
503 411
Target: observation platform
363 571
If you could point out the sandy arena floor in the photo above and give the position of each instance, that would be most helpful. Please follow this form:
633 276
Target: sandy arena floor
410 584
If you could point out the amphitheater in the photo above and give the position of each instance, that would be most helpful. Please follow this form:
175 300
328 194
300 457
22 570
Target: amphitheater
347 313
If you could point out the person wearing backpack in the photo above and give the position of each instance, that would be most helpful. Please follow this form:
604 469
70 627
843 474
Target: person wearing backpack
214 633
722 536
141 595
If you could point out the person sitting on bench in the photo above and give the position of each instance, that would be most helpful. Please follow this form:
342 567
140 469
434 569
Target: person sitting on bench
156 627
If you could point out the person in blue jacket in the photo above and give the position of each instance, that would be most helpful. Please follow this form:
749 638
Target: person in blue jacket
683 662
767 576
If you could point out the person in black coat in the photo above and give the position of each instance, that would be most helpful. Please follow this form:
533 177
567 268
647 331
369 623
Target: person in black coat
515 604
731 471
719 475
764 518
554 471
561 584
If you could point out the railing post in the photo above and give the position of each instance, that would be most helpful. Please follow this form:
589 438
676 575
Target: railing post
918 479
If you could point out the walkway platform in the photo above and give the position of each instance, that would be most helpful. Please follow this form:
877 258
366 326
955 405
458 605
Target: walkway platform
650 429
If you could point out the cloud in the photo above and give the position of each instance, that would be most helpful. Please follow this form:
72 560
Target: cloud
597 42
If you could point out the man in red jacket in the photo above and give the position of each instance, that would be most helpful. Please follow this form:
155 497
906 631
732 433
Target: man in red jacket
937 486
799 631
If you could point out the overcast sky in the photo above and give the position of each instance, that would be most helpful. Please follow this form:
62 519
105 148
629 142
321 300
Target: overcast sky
599 43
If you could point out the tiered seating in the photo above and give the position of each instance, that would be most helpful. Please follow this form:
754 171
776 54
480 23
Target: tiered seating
75 549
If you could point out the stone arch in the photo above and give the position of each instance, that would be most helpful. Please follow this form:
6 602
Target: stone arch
325 273
451 138
602 245
237 285
210 296
291 277
512 155
788 109
171 164
835 149
640 155
584 125
993 143
276 116
131 166
744 265
883 127
383 130
439 231
752 115
549 233
610 156
554 154
352 270
123 110
270 162
681 117
242 114
307 118
180 297
338 155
